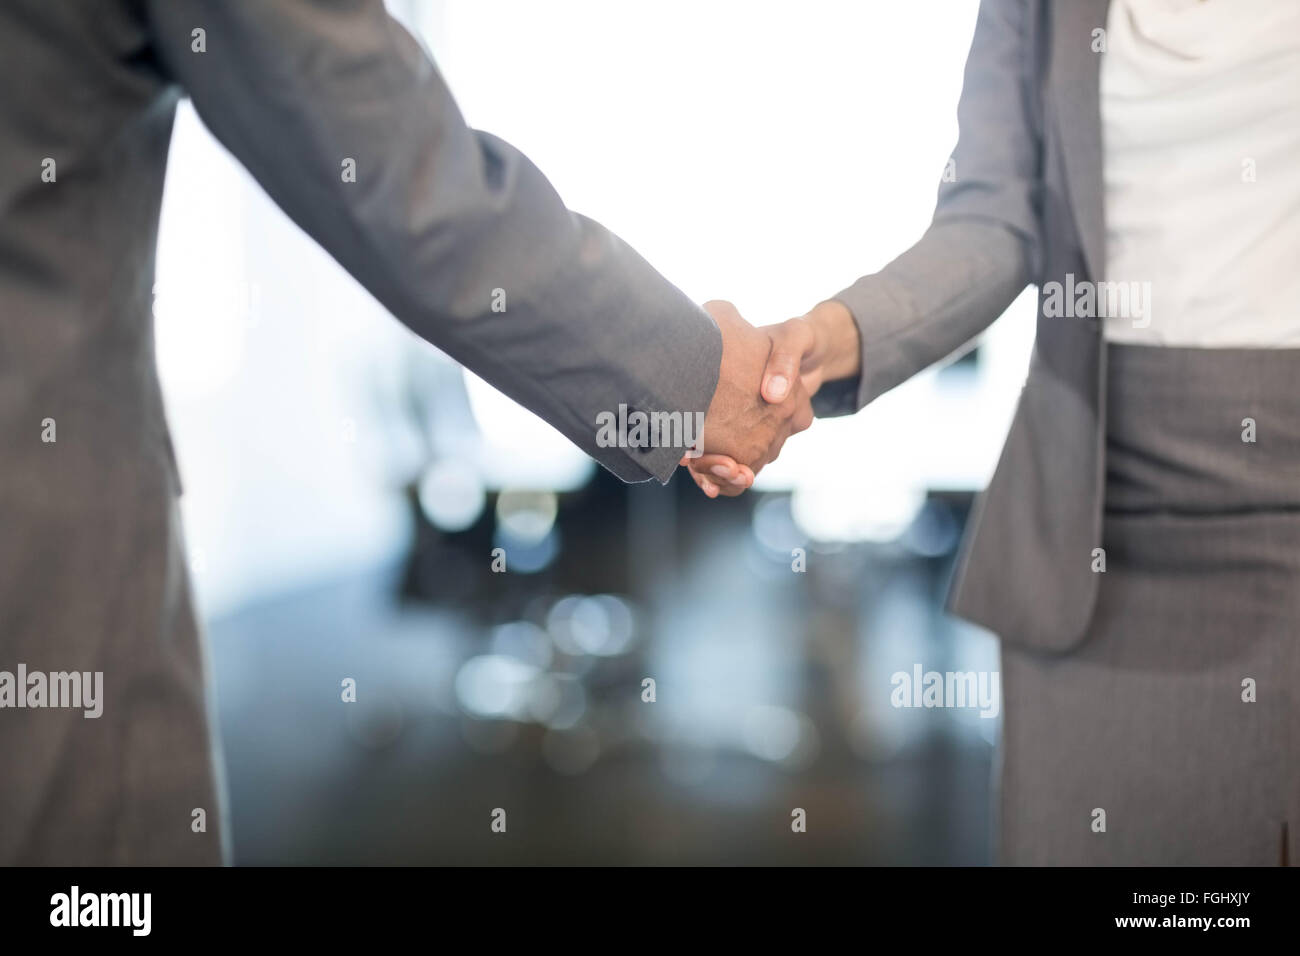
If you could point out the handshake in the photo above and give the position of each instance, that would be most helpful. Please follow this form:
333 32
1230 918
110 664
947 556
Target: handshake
766 382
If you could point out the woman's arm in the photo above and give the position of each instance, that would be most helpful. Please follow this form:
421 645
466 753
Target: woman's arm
979 252
983 245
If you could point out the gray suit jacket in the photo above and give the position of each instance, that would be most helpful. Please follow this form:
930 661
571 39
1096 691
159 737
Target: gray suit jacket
439 215
92 568
1025 206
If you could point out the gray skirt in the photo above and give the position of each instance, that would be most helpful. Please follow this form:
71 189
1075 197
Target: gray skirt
1169 735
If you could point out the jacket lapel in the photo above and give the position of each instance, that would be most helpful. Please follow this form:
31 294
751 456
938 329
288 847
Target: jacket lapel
1075 90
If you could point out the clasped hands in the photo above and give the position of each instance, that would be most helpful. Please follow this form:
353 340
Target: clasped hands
766 382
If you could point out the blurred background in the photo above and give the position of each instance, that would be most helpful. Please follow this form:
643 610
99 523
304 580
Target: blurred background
346 484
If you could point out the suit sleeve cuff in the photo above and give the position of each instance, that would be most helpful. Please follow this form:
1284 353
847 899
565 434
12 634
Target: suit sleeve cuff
849 395
676 412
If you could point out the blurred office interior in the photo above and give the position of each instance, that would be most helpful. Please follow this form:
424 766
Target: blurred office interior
346 484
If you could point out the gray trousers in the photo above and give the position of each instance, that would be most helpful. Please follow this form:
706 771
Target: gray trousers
1176 718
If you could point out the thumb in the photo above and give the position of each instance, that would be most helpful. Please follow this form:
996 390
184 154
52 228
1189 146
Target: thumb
791 340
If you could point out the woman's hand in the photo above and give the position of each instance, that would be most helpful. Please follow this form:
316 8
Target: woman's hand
819 347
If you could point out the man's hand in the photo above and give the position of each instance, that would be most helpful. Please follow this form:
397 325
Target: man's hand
806 352
740 427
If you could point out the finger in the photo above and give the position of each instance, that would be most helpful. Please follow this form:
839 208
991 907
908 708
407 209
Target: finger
732 491
791 340
727 490
803 415
736 486
710 463
722 469
774 452
774 449
707 482
811 379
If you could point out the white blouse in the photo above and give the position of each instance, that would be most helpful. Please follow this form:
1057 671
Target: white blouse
1200 110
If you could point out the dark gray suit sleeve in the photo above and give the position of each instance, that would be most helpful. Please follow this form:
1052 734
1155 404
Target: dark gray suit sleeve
441 216
981 249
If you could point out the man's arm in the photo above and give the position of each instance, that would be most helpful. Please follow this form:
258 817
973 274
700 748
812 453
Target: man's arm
439 216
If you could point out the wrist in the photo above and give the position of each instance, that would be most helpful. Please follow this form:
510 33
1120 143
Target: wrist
838 339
